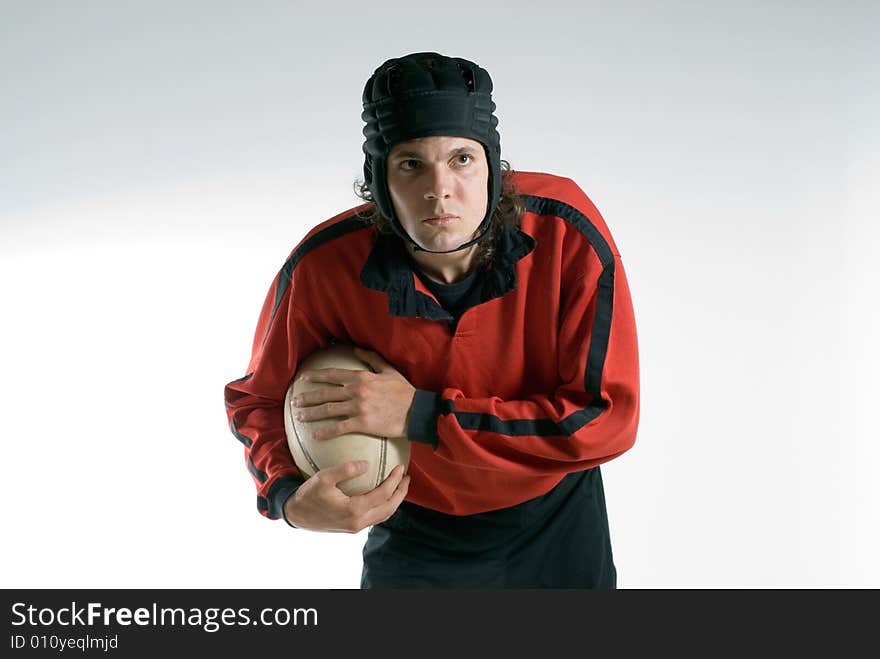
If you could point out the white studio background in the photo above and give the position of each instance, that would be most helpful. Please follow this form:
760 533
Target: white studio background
158 162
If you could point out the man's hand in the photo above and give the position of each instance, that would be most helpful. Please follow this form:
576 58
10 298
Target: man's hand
370 403
319 505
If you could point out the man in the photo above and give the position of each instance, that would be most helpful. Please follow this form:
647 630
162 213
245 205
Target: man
494 311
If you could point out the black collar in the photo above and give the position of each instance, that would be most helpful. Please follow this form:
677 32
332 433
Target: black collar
388 269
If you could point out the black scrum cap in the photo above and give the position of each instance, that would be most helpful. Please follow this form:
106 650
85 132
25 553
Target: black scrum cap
423 95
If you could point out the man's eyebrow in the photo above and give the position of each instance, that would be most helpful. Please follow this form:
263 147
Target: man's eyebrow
415 154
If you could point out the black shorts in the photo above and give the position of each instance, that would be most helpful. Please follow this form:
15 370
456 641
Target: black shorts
557 540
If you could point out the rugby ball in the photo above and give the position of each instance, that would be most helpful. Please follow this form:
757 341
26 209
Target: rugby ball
310 456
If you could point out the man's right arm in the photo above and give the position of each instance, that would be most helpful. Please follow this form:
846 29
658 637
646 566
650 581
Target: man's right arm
254 403
254 409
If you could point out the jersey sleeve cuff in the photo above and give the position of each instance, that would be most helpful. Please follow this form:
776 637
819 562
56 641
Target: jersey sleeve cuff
422 425
281 489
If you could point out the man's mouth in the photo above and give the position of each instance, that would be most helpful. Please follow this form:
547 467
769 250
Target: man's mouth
440 220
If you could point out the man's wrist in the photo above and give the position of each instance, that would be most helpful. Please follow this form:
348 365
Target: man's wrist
279 493
284 510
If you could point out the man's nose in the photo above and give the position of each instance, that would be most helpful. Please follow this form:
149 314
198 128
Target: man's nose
438 183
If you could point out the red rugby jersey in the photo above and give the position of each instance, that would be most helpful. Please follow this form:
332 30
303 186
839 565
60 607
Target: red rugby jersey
537 380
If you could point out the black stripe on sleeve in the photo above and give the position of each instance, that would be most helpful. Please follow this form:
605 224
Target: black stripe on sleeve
261 476
342 228
241 379
598 341
244 440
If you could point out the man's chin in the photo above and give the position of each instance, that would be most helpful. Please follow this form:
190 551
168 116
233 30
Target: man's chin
441 244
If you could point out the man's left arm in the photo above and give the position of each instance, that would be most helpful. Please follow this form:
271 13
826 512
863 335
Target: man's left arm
590 418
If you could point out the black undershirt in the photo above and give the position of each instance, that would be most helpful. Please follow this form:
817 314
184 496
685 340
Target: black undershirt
454 297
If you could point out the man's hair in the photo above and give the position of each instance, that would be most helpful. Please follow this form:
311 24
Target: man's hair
509 212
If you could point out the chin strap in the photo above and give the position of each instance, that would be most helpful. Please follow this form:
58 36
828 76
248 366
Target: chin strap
484 230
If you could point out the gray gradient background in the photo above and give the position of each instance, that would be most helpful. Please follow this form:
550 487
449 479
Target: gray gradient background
158 161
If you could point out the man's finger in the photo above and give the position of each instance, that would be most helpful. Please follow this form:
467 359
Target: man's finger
331 375
330 410
332 430
345 471
387 509
320 395
384 491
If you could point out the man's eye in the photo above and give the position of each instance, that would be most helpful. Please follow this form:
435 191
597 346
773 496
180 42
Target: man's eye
464 158
409 164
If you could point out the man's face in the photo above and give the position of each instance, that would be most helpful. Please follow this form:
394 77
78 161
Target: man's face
438 186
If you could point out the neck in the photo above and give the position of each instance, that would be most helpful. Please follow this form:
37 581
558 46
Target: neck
445 268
